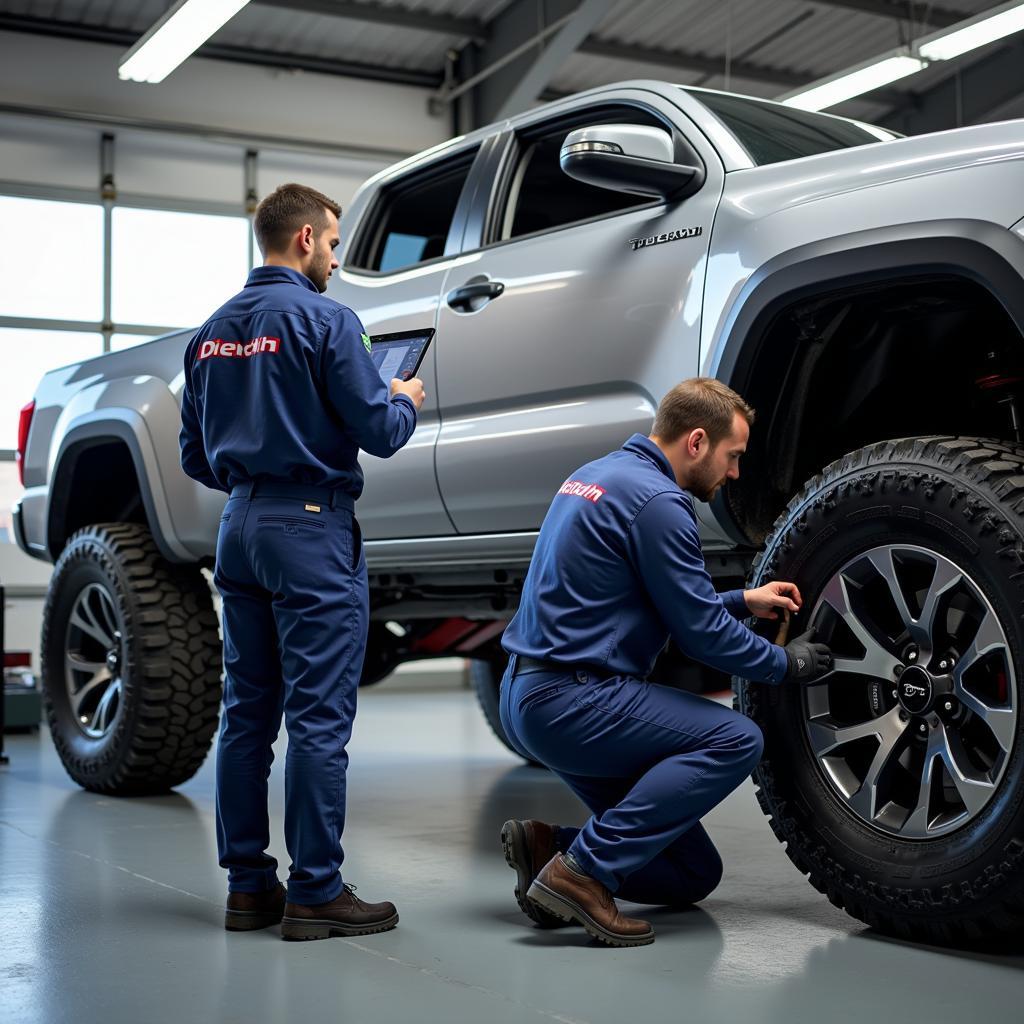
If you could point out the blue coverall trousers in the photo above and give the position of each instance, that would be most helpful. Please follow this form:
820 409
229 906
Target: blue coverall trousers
649 762
295 618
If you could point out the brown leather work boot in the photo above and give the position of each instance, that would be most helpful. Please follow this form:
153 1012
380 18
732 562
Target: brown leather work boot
247 911
528 846
346 915
573 896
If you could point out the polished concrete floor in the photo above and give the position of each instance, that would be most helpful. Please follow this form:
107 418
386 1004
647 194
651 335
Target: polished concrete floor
112 910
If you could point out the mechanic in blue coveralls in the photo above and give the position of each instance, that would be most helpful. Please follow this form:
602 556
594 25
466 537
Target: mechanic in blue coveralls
280 394
617 569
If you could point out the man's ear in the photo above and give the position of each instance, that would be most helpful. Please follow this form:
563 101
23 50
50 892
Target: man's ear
696 441
306 238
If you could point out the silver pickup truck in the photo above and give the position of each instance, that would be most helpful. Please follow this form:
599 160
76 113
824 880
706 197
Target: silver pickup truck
862 291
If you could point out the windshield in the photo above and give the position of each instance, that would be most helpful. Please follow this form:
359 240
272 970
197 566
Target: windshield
770 132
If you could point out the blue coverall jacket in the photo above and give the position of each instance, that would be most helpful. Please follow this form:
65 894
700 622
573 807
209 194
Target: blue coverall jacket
279 384
618 568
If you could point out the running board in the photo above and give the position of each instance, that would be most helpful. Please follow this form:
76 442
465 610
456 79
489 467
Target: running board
482 550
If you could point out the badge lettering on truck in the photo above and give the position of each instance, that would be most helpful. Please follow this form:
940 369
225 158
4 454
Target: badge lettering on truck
665 236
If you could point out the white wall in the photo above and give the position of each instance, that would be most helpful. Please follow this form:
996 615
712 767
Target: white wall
65 74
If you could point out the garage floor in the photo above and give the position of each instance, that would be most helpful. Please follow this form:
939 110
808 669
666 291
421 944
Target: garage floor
112 910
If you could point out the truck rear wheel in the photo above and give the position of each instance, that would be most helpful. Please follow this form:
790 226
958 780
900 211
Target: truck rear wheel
131 663
897 780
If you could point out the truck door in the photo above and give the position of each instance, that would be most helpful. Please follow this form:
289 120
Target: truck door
393 268
558 336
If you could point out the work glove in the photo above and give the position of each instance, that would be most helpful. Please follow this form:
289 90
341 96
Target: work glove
807 659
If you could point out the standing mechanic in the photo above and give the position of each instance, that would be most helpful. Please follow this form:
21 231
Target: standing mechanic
280 394
618 569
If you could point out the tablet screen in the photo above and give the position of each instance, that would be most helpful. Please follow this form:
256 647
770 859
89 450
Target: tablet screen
399 355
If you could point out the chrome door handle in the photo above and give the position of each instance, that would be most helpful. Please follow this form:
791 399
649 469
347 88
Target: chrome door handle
466 297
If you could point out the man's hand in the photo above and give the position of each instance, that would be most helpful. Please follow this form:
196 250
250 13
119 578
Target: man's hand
412 388
807 660
765 601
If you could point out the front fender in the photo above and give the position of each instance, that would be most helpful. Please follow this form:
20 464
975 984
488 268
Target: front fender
976 250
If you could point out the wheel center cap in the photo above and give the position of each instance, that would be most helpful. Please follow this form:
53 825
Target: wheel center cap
915 690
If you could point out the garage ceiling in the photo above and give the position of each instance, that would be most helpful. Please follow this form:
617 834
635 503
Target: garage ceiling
759 47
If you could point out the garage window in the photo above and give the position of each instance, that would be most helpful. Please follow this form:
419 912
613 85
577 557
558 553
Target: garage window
173 269
412 218
51 261
541 196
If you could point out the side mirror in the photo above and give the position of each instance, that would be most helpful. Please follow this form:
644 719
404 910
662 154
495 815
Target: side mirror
628 158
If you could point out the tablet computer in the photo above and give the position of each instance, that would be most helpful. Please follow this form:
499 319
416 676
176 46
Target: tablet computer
400 354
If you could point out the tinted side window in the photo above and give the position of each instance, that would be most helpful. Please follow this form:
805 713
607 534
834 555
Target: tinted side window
541 195
411 218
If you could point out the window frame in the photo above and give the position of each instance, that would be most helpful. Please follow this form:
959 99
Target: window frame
369 232
515 141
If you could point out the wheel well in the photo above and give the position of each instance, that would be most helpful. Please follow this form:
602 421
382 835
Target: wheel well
835 372
96 482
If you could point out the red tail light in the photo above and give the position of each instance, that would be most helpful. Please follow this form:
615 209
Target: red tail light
24 423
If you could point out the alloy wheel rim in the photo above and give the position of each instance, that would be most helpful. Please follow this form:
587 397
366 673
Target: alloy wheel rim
914 725
93 659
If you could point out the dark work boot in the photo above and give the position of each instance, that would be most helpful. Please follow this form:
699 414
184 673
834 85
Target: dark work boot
562 890
528 846
247 911
346 915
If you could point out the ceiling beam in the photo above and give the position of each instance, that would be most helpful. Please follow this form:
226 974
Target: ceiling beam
692 62
516 37
394 15
543 64
919 13
216 51
402 17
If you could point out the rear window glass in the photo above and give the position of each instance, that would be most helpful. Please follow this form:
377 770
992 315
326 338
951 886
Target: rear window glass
771 133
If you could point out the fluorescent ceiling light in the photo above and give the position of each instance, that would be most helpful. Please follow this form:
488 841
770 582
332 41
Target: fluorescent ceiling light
975 32
177 35
829 91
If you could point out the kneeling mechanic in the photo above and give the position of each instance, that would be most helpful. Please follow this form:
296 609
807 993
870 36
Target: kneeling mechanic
617 569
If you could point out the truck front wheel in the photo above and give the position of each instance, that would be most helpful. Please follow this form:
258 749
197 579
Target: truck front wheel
896 781
131 663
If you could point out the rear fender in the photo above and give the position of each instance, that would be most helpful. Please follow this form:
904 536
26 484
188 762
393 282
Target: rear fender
143 414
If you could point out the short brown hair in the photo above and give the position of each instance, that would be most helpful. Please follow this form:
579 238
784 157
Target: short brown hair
700 402
286 210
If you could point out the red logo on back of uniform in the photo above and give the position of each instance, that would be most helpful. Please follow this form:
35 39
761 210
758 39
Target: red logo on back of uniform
581 490
234 349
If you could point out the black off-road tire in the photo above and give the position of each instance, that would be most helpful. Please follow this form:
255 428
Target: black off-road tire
486 679
170 670
963 498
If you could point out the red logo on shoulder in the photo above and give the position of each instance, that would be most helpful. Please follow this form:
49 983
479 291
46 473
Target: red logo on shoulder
581 490
234 349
